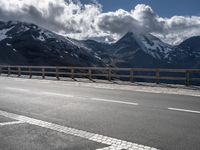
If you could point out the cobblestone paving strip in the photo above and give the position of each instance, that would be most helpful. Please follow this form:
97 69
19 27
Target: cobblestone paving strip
110 148
114 144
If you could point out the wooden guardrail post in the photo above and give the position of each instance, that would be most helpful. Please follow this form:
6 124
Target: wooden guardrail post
8 70
57 73
43 73
19 71
72 73
90 74
30 72
157 76
109 74
187 78
131 75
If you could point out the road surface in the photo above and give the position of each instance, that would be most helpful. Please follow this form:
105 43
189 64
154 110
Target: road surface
43 114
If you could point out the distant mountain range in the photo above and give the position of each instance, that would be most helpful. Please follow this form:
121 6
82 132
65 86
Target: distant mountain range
28 44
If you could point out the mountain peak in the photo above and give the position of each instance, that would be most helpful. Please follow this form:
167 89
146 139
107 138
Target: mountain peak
129 37
147 43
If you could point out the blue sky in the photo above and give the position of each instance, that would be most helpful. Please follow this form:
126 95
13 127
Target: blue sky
165 8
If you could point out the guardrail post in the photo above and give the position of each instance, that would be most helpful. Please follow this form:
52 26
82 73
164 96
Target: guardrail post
30 72
90 74
109 74
158 76
19 71
8 71
57 73
72 73
43 73
0 70
131 75
187 78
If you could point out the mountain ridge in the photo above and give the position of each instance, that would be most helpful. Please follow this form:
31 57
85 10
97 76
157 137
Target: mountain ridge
28 44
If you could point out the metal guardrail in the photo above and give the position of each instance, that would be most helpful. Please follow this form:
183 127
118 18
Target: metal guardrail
132 74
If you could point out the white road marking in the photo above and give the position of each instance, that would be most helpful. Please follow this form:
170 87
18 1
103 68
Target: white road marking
114 101
37 93
10 123
56 94
17 89
184 110
71 96
116 144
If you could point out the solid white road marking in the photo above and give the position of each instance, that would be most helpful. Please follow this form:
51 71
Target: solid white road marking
10 123
184 110
116 144
114 101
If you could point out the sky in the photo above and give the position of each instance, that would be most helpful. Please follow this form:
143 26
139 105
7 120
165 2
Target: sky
165 8
108 20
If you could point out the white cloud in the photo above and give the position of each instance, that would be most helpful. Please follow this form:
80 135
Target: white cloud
171 30
179 28
147 17
82 21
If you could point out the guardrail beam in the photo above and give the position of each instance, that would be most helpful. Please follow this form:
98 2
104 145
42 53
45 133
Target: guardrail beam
129 73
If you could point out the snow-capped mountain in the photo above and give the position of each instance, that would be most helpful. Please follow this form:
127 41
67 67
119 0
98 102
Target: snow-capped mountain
29 44
142 50
146 50
146 42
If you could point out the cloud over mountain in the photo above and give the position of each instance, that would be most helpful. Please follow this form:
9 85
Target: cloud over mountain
83 21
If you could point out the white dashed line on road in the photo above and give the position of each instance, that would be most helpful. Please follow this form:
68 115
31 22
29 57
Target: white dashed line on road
56 94
16 89
114 101
71 96
10 123
113 143
184 110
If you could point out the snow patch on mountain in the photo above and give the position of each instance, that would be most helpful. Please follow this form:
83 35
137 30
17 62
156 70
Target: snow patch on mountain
96 56
41 38
43 35
77 43
3 33
153 46
8 44
156 48
23 29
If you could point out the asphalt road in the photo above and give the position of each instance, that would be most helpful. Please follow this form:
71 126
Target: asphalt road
162 121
